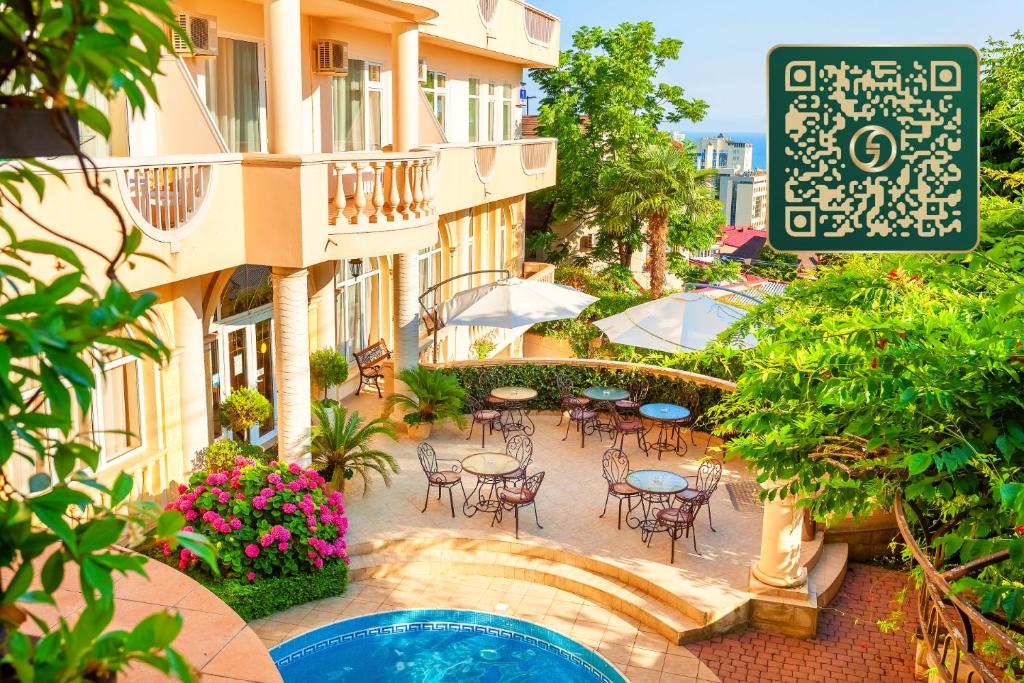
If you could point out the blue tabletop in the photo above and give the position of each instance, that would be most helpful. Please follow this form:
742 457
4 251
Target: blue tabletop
657 481
664 411
605 393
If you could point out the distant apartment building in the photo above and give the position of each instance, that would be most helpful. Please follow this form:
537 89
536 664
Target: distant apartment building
744 197
721 152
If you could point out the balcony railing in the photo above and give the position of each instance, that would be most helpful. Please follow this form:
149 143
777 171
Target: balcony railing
485 158
386 188
540 26
488 11
166 198
535 156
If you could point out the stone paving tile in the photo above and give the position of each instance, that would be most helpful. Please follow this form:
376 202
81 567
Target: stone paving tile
849 645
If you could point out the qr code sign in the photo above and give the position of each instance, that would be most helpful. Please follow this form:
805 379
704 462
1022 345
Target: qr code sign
873 149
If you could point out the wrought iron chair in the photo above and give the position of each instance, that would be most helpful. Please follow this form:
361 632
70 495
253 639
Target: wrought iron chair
511 429
677 521
567 396
708 476
585 418
488 382
520 447
442 478
615 467
519 497
624 425
484 415
637 397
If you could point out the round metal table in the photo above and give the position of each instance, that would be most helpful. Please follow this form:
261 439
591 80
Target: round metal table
489 469
514 411
656 489
666 418
603 397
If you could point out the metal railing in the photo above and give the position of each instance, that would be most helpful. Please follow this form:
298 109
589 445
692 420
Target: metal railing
950 628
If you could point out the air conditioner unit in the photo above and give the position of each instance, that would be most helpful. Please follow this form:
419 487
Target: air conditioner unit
331 57
201 30
423 71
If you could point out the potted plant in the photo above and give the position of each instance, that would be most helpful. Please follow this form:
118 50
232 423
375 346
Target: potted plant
340 448
244 409
433 397
327 368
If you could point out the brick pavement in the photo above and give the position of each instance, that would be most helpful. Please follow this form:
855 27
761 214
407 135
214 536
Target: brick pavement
849 647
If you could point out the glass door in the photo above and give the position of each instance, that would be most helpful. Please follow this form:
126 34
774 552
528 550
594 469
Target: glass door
248 360
264 375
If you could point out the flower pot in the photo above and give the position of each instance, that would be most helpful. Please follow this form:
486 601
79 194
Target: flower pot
419 431
27 132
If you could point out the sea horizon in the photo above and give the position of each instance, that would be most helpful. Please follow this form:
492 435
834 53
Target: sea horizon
757 140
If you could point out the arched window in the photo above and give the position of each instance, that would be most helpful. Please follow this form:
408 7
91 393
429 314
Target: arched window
359 306
248 288
429 262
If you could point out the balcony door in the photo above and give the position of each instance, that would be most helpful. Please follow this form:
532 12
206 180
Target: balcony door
357 100
235 90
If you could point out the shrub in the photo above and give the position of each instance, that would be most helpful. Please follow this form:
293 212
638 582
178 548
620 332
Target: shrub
244 409
482 348
265 596
327 368
221 455
264 520
434 395
339 444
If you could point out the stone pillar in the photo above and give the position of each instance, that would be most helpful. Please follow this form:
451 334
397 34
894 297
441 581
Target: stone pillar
284 76
406 283
192 380
291 362
781 535
405 86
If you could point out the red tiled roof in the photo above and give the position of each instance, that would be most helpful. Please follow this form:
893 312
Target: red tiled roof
745 240
530 123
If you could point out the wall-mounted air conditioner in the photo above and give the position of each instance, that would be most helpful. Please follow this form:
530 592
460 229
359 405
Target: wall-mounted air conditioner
423 71
331 57
201 29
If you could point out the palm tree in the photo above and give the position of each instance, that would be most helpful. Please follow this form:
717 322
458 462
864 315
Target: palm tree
656 182
433 396
339 442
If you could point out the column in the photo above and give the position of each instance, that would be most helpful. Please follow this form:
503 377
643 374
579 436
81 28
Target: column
405 85
189 349
291 362
781 533
406 284
284 76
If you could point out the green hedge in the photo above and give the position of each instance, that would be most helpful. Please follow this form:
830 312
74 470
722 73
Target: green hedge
697 397
263 597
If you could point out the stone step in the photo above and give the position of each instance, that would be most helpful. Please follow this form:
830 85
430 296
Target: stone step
611 593
810 551
825 578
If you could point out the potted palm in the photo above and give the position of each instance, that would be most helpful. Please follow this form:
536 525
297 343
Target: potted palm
339 445
433 397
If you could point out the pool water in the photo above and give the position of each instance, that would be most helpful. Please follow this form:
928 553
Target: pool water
434 646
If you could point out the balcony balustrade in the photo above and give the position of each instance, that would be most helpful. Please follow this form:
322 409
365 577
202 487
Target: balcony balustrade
383 189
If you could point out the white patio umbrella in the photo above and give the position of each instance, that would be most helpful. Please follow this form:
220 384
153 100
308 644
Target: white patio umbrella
514 302
678 322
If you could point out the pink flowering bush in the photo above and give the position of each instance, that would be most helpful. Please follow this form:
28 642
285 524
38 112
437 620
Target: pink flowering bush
265 520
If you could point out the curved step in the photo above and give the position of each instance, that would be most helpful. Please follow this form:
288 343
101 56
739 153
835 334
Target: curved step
620 589
825 578
670 623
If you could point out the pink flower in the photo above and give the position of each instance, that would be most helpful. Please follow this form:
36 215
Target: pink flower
295 486
252 550
236 523
251 576
259 502
224 497
294 468
288 508
191 515
318 563
266 540
282 546
239 496
279 486
274 478
267 492
182 488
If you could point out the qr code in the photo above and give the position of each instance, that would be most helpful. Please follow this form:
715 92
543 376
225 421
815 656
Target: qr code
873 149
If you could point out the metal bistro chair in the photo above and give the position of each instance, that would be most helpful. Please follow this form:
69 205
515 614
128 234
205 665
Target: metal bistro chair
585 418
520 497
567 396
708 476
520 447
484 415
487 384
637 397
631 424
441 478
615 467
677 521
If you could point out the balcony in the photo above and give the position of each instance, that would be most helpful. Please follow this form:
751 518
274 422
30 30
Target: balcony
509 27
469 174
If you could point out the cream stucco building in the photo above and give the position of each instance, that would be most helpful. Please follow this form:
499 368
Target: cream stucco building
303 181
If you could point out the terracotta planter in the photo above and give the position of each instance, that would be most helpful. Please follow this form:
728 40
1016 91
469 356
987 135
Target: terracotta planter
419 431
26 132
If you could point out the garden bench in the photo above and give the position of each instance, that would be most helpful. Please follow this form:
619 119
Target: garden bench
371 365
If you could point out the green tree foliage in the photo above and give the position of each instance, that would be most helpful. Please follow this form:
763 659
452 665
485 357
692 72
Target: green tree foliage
603 103
339 443
1002 106
327 368
775 265
713 273
244 409
54 333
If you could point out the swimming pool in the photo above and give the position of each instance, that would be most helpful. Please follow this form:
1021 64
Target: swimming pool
438 645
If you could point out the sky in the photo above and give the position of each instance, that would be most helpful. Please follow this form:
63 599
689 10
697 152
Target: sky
725 43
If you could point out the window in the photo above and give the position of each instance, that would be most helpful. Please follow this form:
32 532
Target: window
474 109
359 307
429 261
506 112
235 93
470 255
357 99
586 243
436 89
117 409
492 94
501 240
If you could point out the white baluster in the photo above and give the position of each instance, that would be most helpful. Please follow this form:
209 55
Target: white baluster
417 191
359 199
394 198
378 192
339 194
406 209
